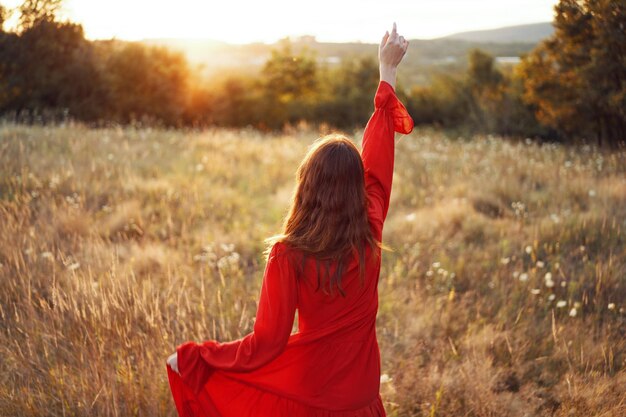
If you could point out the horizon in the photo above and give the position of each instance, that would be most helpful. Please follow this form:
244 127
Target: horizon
296 37
193 20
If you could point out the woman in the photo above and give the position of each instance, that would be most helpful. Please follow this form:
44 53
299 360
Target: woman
326 264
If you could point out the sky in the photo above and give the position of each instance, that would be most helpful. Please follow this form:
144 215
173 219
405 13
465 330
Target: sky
237 21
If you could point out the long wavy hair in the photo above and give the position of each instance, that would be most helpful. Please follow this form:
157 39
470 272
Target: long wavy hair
328 215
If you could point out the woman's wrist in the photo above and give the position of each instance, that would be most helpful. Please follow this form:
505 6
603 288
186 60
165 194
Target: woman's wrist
388 74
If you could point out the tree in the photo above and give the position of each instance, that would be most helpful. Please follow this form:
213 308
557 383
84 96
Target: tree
149 83
4 15
48 68
484 99
481 72
239 102
33 11
485 91
290 82
444 103
576 80
349 90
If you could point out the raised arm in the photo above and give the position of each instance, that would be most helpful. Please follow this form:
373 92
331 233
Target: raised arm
391 50
389 116
272 327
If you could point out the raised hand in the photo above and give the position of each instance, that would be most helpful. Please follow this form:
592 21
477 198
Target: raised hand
391 50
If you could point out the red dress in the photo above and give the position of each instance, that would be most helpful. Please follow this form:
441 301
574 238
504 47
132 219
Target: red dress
331 366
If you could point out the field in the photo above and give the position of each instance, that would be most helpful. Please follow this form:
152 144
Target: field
503 294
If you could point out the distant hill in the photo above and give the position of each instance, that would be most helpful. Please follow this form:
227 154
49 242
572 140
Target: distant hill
530 33
425 56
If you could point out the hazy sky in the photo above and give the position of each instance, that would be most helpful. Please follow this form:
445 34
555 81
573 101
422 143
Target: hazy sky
237 21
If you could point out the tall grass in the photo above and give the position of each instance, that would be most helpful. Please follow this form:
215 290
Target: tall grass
504 295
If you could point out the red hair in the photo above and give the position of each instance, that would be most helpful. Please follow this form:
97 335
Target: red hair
328 215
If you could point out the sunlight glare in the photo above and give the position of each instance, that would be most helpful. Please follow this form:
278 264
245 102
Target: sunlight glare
244 21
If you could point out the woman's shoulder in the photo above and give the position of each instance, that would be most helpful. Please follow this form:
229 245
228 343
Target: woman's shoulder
285 254
285 249
280 248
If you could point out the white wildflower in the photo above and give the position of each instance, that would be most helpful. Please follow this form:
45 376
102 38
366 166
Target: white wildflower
572 312
222 262
561 303
523 277
227 247
199 257
611 306
548 279
55 180
233 258
74 266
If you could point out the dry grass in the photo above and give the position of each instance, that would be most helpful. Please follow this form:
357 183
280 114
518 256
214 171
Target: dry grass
505 294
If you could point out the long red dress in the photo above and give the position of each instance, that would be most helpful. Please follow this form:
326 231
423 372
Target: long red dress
331 366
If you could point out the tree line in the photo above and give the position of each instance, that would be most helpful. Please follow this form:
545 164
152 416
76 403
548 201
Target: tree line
572 85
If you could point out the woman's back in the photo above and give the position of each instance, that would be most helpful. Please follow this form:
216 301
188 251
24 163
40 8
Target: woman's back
318 310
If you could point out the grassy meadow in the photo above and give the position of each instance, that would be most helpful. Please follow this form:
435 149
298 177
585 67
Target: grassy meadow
503 294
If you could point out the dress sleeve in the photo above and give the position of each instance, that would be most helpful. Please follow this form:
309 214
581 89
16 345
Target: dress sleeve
272 328
377 152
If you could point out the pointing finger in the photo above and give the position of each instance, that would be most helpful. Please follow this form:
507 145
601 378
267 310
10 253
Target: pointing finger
394 31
